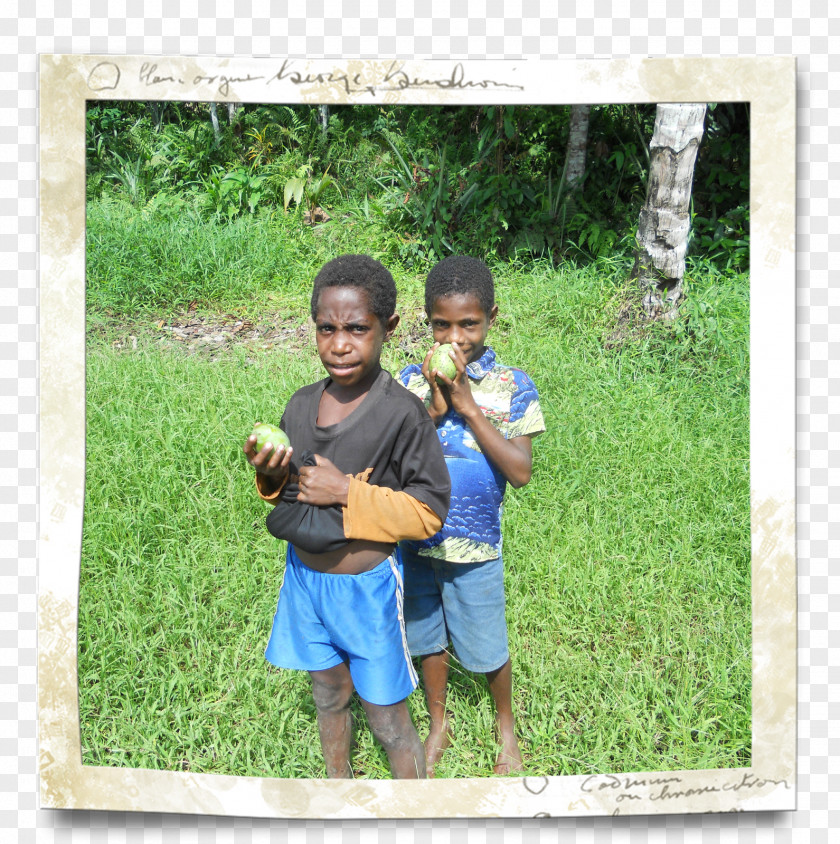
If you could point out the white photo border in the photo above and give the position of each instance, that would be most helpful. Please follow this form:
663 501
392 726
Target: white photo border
67 82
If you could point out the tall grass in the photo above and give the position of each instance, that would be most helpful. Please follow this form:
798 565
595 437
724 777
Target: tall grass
627 556
167 255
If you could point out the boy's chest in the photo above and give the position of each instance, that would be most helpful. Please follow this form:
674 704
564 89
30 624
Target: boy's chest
354 442
493 394
331 411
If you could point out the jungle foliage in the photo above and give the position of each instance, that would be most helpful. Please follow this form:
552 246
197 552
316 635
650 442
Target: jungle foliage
484 180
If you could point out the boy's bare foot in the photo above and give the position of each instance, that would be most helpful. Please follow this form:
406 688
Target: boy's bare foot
439 738
509 759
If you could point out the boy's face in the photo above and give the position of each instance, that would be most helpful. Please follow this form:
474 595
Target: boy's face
461 320
350 336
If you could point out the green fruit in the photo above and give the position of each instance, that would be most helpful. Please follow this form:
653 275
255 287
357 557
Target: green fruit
443 363
269 434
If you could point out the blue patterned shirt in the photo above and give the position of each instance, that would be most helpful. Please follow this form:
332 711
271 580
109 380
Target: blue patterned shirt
508 398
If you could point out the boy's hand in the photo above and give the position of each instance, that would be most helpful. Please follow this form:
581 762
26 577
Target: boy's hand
457 389
439 401
274 465
323 484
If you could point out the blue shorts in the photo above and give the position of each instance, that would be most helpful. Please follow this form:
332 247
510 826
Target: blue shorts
324 619
459 602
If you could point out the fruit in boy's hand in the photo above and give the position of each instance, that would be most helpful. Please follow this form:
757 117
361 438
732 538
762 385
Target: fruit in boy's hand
269 434
443 363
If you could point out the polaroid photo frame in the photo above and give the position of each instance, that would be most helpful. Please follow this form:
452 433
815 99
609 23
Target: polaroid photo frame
67 82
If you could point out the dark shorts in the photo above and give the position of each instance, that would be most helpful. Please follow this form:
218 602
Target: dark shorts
324 619
459 602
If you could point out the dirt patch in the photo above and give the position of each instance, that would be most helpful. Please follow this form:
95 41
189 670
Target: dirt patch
214 334
209 334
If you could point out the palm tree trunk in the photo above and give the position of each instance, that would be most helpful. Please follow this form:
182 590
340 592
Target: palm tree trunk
214 119
664 221
576 150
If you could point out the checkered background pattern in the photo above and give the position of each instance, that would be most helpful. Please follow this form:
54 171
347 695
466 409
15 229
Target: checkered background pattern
442 28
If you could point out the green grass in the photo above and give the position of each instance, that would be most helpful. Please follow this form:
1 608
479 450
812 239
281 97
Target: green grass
627 556
166 255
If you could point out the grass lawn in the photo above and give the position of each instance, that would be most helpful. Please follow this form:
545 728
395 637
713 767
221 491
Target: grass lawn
627 556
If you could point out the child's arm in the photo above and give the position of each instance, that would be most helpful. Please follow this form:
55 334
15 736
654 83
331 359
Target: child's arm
380 514
413 504
320 505
272 469
438 405
365 511
511 456
371 512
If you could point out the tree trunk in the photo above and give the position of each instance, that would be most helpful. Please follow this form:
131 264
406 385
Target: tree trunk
324 114
214 119
575 168
157 110
664 221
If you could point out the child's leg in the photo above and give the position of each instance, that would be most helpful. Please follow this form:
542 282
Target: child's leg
509 759
332 689
474 604
394 730
435 668
425 628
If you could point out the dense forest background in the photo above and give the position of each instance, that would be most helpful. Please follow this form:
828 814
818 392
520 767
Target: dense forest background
493 181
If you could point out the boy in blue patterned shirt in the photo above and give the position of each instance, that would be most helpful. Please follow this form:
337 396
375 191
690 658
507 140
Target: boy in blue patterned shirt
486 417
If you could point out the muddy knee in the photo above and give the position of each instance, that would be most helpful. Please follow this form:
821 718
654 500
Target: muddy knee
332 690
392 727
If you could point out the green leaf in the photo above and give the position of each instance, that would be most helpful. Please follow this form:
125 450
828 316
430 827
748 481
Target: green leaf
510 129
293 191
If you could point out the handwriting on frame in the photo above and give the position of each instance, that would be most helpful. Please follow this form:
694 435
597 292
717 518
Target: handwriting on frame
371 79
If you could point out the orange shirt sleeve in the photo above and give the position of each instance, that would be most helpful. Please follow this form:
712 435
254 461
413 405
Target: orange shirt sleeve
267 488
380 514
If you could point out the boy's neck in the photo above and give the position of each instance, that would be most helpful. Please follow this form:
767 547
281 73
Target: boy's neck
479 354
338 402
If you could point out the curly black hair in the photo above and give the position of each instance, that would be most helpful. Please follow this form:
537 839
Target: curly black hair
460 274
363 272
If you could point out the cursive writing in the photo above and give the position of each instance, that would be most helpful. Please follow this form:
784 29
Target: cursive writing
457 79
343 80
148 75
609 782
395 78
368 79
224 81
663 789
